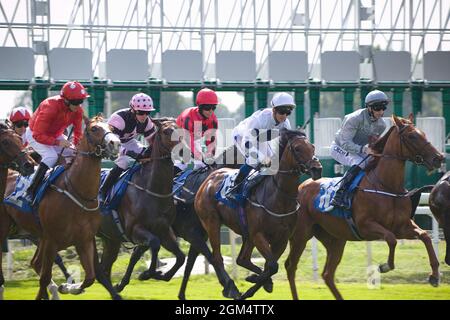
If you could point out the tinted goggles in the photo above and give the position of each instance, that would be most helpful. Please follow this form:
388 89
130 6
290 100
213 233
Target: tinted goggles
142 113
20 124
378 107
76 102
286 111
208 107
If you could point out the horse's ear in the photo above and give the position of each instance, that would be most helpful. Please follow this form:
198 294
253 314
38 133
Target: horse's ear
157 123
100 115
8 123
411 117
398 123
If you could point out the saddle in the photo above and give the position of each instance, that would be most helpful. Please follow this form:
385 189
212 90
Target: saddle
186 184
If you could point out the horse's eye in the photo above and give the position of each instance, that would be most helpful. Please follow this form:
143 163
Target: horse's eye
94 129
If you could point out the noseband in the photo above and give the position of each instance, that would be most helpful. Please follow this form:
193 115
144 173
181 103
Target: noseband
301 167
100 150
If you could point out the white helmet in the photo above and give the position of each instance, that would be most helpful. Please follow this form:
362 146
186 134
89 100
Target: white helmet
282 99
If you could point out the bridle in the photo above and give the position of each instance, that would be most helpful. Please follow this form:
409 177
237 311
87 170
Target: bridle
301 167
15 160
100 149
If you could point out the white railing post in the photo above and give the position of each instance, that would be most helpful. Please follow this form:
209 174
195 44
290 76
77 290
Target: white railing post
314 259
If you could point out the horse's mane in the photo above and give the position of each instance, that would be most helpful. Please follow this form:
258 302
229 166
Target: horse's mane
286 135
3 126
378 146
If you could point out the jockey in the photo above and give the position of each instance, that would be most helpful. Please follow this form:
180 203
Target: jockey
350 146
197 120
19 118
45 133
254 145
127 124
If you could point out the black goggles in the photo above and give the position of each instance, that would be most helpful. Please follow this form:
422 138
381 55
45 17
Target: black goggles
208 107
76 102
21 123
378 107
286 111
142 113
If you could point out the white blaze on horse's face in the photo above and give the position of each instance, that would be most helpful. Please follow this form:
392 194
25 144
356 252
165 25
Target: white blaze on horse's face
112 142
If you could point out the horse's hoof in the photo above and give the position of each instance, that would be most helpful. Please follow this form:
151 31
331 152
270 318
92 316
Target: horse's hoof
118 288
145 276
117 297
268 286
383 268
433 281
253 278
63 288
181 297
2 289
231 291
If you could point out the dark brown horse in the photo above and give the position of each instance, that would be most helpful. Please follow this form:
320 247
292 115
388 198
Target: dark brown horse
11 157
439 202
147 209
68 213
381 207
270 210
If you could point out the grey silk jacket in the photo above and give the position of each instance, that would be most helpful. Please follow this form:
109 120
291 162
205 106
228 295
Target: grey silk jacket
356 130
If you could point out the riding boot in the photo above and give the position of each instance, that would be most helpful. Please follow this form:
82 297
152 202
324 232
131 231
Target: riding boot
244 170
110 180
339 197
37 179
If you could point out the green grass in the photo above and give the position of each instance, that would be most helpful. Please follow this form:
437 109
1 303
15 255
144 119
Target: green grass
407 281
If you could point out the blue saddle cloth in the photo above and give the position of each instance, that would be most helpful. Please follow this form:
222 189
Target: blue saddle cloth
116 193
17 197
179 181
242 193
328 189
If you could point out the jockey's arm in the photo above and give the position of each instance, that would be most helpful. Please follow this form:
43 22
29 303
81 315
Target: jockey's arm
346 135
77 126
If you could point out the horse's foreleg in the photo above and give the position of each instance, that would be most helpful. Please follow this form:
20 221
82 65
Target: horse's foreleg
413 231
47 255
335 249
270 267
148 240
110 252
192 256
169 242
372 230
135 256
101 276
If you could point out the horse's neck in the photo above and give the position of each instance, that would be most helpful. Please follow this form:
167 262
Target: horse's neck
158 173
84 175
287 183
3 178
391 171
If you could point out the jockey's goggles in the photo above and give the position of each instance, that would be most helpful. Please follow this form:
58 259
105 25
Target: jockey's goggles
208 107
284 110
76 102
21 123
378 106
142 113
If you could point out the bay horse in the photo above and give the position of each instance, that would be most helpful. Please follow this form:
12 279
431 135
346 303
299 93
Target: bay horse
69 214
381 207
439 202
13 157
186 225
270 210
147 209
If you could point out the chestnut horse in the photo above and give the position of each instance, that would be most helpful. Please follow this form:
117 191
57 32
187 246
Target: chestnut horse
11 157
68 212
381 207
270 210
147 209
439 202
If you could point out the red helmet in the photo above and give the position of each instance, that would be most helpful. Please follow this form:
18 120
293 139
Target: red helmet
19 114
206 96
73 90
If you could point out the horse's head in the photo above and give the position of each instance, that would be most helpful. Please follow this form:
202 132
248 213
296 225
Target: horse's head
163 139
414 145
99 140
11 152
299 153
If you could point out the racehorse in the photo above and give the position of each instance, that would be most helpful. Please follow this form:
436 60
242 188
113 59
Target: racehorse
439 202
381 207
270 210
11 156
187 226
68 213
147 209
